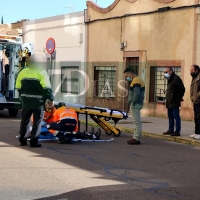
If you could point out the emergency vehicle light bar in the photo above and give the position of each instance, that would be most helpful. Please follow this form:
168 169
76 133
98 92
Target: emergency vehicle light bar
8 37
3 40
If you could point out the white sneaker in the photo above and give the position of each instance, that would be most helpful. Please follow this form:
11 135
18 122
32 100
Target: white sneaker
193 135
197 137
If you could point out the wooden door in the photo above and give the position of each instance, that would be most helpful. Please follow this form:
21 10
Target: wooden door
132 62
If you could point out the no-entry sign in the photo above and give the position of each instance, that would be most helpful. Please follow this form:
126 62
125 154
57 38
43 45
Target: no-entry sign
50 45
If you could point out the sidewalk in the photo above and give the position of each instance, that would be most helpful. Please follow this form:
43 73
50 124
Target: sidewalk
154 127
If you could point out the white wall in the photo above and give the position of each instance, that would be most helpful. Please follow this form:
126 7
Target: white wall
65 29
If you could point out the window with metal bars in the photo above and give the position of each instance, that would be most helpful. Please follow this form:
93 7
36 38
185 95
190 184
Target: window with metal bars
158 83
105 81
70 79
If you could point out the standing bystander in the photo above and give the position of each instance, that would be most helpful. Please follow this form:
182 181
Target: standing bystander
135 100
195 98
174 96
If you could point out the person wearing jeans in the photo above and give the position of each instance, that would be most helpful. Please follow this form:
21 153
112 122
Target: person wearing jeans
137 123
135 100
174 96
174 113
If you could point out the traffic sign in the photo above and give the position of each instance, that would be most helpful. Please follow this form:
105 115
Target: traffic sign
50 45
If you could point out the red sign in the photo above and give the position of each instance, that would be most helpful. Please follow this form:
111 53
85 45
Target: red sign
50 45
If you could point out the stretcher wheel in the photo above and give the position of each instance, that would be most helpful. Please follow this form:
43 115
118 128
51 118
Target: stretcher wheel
118 134
109 133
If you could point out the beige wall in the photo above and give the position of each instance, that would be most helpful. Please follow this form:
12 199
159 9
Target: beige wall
163 39
65 29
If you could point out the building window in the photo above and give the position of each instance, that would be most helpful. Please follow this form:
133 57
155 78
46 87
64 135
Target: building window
105 80
158 84
70 80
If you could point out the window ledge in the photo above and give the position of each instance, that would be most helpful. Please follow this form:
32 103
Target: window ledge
104 97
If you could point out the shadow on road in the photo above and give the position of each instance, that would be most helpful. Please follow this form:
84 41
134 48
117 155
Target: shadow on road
135 170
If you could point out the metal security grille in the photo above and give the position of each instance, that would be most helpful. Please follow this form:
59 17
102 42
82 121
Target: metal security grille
158 83
105 80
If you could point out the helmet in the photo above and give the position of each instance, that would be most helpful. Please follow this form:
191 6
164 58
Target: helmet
61 104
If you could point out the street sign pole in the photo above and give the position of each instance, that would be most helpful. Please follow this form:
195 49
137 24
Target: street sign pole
50 48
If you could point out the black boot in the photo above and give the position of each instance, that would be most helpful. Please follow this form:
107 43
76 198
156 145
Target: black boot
98 134
34 143
23 141
68 139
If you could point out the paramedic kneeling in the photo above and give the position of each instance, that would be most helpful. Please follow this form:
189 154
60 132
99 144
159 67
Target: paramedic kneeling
65 120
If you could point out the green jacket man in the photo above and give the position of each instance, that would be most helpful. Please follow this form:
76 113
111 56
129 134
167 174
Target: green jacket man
136 101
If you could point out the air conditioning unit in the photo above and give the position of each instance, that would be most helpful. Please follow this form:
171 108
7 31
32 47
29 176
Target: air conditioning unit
121 45
198 10
125 44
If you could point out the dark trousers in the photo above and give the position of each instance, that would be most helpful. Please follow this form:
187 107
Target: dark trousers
197 118
68 137
174 115
80 135
25 124
67 125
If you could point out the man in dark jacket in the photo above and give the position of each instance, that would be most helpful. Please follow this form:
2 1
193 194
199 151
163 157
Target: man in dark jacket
174 96
195 98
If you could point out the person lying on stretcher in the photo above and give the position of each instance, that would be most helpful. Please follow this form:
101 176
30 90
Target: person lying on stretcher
66 123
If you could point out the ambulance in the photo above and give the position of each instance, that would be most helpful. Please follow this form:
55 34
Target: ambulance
13 58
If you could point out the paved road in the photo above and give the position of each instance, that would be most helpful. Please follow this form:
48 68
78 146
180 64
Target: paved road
154 125
97 171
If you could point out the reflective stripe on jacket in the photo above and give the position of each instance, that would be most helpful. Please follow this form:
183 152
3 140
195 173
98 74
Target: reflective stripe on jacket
34 87
66 113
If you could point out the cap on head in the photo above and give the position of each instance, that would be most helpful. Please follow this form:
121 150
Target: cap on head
129 70
61 104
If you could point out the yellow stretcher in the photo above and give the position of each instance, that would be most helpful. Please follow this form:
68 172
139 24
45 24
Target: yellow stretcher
101 116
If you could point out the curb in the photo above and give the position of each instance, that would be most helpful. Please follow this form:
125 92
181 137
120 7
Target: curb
153 135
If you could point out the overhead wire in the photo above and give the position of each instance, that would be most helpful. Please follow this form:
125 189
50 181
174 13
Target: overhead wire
159 10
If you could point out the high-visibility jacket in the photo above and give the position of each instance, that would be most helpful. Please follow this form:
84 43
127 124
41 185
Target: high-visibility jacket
66 113
34 88
48 116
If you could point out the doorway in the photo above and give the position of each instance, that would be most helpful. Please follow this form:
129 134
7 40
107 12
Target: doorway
133 63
